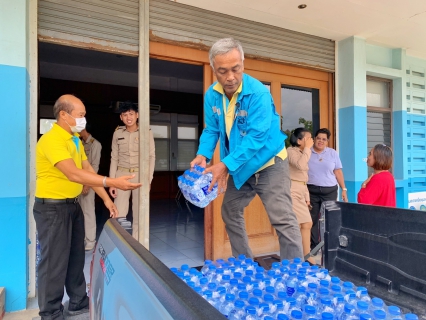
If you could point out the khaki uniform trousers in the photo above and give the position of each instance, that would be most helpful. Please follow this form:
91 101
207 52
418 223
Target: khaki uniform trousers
87 204
122 202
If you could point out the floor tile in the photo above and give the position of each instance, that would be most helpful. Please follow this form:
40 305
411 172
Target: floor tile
193 253
185 245
170 255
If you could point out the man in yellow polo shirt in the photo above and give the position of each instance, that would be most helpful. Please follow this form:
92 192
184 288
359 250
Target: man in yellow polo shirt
61 170
239 111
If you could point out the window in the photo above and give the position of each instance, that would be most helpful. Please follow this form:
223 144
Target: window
187 146
379 113
299 108
161 135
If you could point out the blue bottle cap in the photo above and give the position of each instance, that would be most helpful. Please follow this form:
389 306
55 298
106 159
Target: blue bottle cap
260 269
324 291
411 316
250 310
327 316
241 286
291 301
270 289
243 295
259 276
310 309
301 289
282 316
312 286
174 270
379 314
204 281
275 265
285 263
239 303
296 314
264 307
249 272
221 290
211 286
257 292
268 318
348 285
394 310
335 280
184 267
362 305
268 297
238 275
233 282
241 257
229 297
207 293
282 294
324 283
247 280
336 288
219 271
326 301
198 289
226 277
297 260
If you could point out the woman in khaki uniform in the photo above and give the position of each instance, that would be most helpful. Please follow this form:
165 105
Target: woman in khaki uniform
298 157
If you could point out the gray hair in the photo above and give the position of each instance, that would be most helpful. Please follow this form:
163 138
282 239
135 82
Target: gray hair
62 104
224 46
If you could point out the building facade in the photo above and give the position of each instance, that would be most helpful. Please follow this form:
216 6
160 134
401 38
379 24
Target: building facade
366 94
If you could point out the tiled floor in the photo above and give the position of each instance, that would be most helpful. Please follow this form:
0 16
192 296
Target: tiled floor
177 236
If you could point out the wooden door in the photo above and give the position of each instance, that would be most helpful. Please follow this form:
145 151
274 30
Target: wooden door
262 237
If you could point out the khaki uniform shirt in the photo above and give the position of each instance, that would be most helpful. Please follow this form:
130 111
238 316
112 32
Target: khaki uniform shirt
93 148
125 151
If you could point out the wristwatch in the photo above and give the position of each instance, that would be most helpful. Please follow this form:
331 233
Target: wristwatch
344 189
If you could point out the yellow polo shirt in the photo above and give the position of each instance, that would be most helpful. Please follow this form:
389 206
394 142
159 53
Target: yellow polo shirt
54 146
229 111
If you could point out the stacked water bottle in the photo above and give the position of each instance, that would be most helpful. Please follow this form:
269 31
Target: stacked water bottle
195 186
291 290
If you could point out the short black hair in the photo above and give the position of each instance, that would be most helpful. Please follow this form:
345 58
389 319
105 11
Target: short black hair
324 131
297 134
127 106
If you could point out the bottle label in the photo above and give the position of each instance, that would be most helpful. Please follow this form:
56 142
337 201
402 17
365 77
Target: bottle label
206 190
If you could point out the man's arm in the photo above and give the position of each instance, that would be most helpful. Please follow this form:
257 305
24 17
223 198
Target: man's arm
100 191
88 178
114 156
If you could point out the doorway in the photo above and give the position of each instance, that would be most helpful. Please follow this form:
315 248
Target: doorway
101 79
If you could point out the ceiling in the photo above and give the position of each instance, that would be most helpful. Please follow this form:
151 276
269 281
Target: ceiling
389 23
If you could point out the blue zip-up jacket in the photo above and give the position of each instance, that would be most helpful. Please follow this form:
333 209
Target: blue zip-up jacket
255 137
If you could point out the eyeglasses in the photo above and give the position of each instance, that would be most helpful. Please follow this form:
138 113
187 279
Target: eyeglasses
321 139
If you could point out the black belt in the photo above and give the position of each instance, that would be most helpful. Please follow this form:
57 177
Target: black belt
47 200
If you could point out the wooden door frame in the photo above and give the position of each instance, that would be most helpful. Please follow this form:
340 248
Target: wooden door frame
324 81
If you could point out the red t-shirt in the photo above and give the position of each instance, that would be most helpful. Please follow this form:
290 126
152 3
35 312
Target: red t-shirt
380 190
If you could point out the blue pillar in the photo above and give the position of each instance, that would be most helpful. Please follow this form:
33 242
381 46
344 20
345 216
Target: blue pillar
352 112
14 161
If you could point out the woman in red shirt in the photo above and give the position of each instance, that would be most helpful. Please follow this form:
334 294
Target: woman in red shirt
379 188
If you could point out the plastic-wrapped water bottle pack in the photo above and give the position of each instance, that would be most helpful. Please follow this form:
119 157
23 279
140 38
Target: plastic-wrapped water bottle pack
195 186
291 290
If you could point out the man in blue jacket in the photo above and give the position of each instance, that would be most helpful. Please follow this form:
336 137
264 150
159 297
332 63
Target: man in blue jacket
239 111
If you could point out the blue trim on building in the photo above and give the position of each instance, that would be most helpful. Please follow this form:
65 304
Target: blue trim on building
353 147
14 246
14 170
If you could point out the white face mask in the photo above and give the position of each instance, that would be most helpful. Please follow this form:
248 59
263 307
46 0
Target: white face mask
80 124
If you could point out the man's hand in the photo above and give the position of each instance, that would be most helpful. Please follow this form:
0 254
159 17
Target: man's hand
344 195
123 183
85 190
220 175
113 192
199 160
113 211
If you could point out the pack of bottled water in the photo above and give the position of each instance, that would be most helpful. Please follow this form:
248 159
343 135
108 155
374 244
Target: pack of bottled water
195 186
291 290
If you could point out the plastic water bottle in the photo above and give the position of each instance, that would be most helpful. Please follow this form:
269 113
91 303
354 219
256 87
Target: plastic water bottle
238 312
347 286
208 295
327 316
296 315
251 313
365 316
243 295
233 286
185 269
338 303
291 284
335 289
257 293
335 281
350 297
279 307
205 268
290 305
379 315
248 283
325 306
310 313
225 282
411 316
361 307
300 296
264 311
377 304
349 313
269 299
394 313
226 307
362 294
211 273
282 316
311 295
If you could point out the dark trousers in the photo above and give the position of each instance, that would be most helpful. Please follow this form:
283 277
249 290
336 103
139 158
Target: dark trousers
318 195
60 229
272 185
